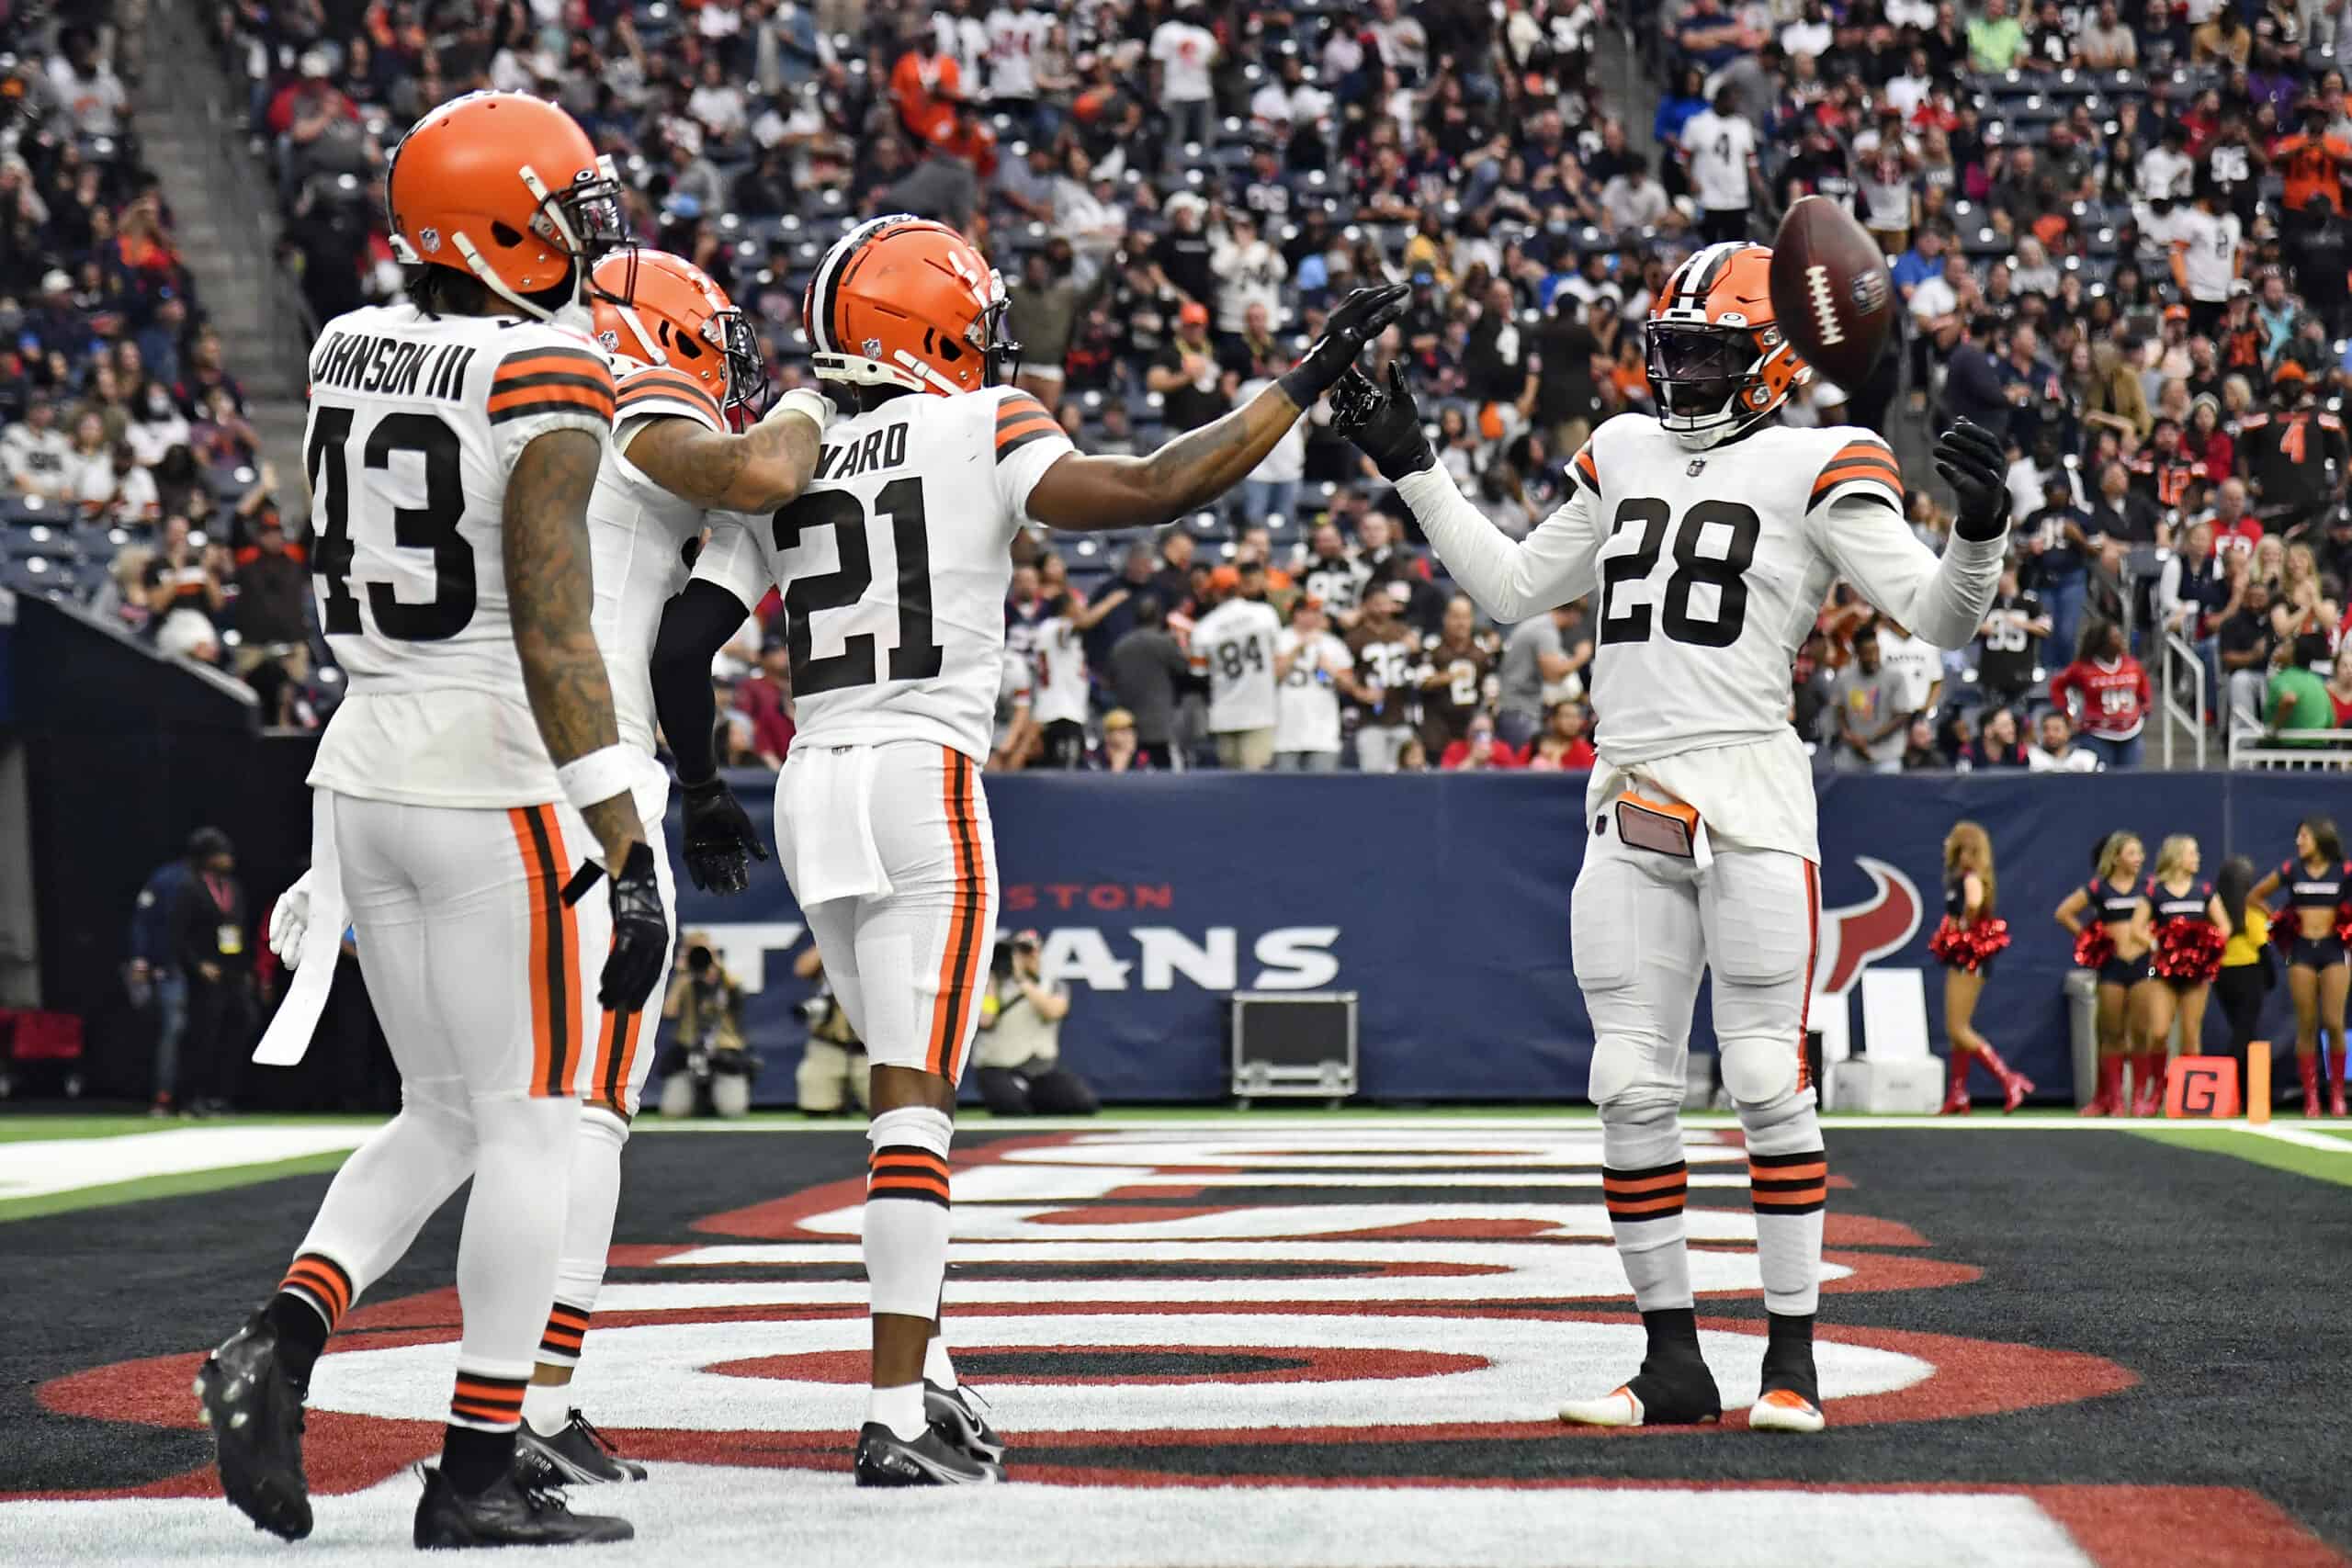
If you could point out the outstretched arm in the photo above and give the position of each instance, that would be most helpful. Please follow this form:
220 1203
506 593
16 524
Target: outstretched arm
1082 493
758 470
544 539
1557 563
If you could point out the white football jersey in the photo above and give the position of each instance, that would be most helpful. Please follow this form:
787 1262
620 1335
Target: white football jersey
416 421
895 563
1233 644
1306 707
638 532
1711 567
1059 656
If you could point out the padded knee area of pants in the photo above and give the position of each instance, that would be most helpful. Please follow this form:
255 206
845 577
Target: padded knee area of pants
443 1101
917 1126
1639 1130
1785 1126
1624 1067
1759 1070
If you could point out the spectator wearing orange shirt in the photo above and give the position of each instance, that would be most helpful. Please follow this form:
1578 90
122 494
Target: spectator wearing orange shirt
926 86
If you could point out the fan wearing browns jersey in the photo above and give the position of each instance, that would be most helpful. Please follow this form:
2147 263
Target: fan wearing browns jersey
894 567
1712 531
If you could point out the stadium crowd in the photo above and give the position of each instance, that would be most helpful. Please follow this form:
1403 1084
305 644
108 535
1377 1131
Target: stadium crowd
2117 230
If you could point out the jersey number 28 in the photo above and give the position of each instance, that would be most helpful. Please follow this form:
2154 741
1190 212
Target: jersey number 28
916 655
1726 572
432 527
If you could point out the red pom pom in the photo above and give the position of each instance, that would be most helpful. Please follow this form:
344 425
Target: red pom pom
2189 948
2093 947
1967 947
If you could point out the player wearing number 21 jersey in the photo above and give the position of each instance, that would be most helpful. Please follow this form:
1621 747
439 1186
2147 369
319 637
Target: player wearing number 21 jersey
1710 534
894 566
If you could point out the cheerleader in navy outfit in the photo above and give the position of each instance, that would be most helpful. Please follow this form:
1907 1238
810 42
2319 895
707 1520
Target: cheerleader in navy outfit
2190 933
1965 944
2117 941
2315 927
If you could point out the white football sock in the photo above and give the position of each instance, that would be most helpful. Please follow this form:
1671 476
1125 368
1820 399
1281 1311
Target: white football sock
1788 1182
393 1182
936 1365
1643 1181
514 1231
899 1408
906 1211
546 1407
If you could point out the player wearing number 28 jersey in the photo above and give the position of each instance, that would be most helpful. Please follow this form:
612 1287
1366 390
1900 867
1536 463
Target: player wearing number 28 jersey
894 567
1711 535
473 770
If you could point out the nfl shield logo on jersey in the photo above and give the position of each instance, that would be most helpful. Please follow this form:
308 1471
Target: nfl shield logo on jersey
1697 466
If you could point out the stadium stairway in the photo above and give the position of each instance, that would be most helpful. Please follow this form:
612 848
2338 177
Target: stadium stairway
226 226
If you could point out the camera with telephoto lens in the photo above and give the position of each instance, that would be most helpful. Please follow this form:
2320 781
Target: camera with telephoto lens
1000 960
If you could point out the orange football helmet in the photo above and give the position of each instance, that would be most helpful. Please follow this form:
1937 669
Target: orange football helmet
1717 363
902 302
509 188
660 309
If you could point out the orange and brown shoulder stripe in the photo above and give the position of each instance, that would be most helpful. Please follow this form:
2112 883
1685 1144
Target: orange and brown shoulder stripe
640 390
1587 471
1868 462
531 382
1020 419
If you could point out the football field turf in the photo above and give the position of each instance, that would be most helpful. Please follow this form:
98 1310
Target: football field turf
1261 1341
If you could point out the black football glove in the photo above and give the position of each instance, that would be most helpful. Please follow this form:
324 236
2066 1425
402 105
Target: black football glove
1361 317
1974 462
720 839
1385 426
640 934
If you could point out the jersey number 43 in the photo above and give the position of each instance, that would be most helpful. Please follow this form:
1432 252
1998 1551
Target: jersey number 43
432 527
916 655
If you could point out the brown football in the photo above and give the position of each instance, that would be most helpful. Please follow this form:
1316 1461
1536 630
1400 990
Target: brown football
1831 291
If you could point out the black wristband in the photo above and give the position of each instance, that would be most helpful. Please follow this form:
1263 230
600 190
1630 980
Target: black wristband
1300 385
1397 468
1976 533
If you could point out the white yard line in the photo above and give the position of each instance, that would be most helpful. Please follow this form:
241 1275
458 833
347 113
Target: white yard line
38 1167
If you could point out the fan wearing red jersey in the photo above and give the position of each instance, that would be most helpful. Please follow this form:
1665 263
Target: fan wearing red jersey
894 567
475 765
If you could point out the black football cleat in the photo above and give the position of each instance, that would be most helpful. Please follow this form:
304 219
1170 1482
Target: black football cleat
1791 1396
508 1514
951 1414
885 1460
1674 1388
579 1455
255 1414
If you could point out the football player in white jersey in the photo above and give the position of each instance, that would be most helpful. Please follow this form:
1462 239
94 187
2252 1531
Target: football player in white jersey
1712 533
684 359
894 567
460 791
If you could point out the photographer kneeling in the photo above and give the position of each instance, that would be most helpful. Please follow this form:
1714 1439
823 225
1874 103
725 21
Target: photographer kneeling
1019 1050
707 1054
833 1069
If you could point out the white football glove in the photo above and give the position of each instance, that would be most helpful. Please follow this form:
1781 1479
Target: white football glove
290 921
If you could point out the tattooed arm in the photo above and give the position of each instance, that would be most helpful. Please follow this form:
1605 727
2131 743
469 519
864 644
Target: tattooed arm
756 471
550 597
1080 492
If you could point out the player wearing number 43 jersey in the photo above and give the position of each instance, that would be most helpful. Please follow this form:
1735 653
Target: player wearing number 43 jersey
1711 534
894 567
459 792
